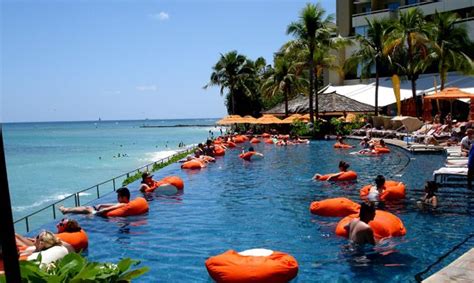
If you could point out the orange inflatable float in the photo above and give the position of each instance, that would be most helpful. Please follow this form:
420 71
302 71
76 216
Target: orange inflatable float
174 181
393 191
256 265
219 151
346 176
239 139
342 145
265 135
384 225
379 149
334 207
254 140
78 240
268 141
230 144
249 155
134 207
192 164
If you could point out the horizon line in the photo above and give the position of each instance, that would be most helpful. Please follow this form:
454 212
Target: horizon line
95 121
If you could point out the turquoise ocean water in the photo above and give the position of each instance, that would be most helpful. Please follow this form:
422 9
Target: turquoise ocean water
48 161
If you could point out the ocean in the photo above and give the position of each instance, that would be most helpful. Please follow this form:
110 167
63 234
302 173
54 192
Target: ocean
49 160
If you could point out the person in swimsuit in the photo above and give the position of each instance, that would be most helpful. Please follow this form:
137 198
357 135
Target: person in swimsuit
358 229
377 190
147 182
343 166
123 198
429 200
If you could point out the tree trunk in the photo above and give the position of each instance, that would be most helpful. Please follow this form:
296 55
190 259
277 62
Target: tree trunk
376 112
232 103
417 103
442 76
316 97
286 103
311 85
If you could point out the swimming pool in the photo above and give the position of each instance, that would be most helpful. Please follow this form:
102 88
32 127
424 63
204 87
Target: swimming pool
239 205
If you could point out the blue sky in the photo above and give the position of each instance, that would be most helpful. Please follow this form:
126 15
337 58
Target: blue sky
81 60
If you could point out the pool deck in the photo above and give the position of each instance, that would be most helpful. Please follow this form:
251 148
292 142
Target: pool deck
411 147
460 270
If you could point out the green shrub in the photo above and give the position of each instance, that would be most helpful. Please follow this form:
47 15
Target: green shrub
75 268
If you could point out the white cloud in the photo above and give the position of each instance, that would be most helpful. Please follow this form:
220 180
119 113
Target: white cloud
161 16
147 88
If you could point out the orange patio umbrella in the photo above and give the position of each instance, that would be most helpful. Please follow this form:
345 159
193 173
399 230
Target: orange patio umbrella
230 119
248 120
268 119
452 93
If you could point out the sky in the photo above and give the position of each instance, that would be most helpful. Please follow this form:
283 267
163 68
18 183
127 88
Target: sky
117 60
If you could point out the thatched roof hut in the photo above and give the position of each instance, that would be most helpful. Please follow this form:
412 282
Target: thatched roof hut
330 104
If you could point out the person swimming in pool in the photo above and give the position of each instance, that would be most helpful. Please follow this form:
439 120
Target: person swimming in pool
429 199
147 182
343 166
358 229
123 198
377 190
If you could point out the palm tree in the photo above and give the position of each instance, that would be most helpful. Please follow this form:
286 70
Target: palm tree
309 30
410 38
370 54
283 79
231 72
450 43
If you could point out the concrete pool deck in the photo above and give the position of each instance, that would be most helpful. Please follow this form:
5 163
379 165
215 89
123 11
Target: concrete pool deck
460 270
411 147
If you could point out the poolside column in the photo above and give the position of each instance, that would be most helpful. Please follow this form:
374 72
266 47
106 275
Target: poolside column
471 110
7 228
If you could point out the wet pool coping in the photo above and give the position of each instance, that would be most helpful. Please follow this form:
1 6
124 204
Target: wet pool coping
460 270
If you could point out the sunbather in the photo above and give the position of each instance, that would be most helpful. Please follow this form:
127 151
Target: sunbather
123 197
467 141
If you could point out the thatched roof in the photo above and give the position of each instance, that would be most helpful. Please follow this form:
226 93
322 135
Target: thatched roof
329 104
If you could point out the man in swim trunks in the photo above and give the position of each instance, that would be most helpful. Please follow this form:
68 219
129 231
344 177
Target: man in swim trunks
123 197
359 230
147 182
248 157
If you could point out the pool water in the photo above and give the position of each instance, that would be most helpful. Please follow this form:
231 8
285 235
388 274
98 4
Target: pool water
239 205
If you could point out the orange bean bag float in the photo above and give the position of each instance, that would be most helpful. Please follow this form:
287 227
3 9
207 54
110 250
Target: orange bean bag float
382 150
249 155
246 138
265 135
334 207
239 139
192 164
384 225
78 240
393 191
230 144
254 140
219 151
269 267
134 207
346 176
268 141
342 145
174 181
218 141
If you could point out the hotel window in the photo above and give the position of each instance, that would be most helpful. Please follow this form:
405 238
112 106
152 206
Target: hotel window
362 30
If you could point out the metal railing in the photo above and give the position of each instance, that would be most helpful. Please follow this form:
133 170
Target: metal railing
111 184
